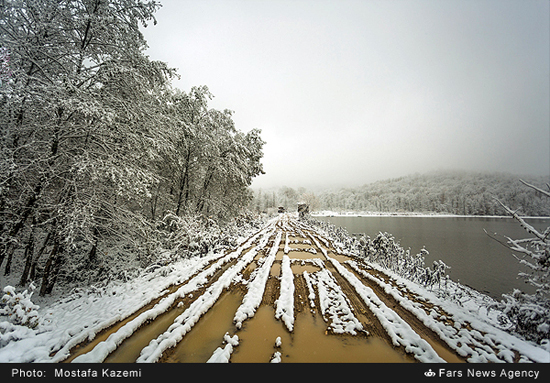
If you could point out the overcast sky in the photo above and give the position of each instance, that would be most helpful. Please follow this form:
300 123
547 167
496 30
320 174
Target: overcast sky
347 92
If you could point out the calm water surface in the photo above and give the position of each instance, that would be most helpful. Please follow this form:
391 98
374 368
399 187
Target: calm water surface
475 259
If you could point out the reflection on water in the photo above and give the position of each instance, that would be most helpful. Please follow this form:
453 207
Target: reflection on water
475 259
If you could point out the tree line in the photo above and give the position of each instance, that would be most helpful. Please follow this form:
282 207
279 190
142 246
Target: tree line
452 192
97 147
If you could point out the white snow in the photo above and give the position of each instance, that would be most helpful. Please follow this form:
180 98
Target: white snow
285 303
311 294
256 287
335 306
464 342
276 358
222 355
287 248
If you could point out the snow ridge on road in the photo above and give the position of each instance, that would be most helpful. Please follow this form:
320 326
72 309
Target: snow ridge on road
256 287
400 332
285 304
335 306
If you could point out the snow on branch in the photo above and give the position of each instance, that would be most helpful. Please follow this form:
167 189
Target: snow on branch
546 193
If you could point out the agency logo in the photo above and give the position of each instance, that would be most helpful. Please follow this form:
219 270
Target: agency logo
429 373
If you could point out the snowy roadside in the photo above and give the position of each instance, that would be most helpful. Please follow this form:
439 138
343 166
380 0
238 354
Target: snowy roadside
80 316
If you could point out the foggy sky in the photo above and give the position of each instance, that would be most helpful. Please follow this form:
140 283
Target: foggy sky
349 92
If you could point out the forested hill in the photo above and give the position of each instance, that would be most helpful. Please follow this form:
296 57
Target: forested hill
454 192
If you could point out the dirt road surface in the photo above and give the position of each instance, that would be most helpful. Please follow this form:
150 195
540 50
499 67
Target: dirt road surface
286 294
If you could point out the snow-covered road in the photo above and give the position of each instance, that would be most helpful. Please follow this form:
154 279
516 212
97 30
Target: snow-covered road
291 283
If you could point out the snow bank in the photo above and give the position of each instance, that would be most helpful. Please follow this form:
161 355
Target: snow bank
285 303
256 287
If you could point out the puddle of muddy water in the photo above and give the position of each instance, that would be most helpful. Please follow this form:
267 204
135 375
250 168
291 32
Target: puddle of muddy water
279 255
257 337
299 268
304 255
300 246
198 345
308 343
275 269
340 258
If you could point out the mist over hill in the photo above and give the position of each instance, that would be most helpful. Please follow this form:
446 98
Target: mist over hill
452 192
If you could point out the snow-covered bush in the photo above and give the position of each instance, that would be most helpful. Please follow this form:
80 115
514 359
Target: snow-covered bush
529 313
177 237
385 251
18 307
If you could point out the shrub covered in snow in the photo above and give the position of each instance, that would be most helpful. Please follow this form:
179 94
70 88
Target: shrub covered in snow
180 237
18 308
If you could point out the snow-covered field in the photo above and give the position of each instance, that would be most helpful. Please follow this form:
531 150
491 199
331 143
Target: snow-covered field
466 328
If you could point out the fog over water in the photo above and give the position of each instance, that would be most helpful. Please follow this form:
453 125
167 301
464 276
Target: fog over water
349 92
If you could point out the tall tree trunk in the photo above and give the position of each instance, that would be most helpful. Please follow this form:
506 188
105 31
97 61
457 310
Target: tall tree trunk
32 273
206 184
183 195
9 252
29 253
51 269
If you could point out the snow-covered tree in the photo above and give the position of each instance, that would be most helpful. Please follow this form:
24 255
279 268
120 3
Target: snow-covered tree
530 313
95 145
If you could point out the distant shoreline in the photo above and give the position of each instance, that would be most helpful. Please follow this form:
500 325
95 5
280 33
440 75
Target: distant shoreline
328 213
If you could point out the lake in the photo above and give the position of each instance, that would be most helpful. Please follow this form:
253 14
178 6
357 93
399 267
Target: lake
476 260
